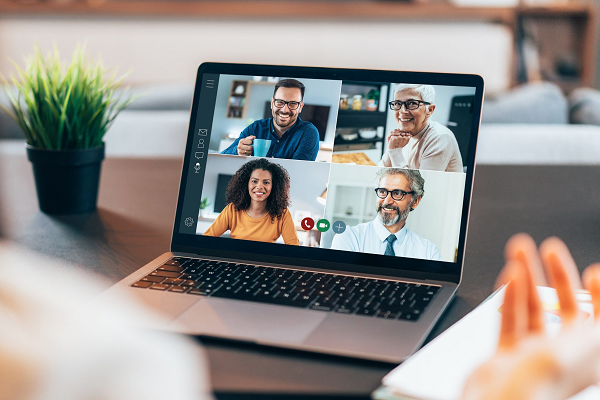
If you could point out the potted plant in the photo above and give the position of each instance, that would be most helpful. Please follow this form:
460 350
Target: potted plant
372 99
64 111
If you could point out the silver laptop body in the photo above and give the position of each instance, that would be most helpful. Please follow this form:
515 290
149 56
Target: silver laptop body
234 96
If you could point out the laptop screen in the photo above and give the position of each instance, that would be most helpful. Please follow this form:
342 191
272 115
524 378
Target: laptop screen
330 166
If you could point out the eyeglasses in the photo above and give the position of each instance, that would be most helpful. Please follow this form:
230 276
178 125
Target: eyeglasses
408 104
397 194
292 105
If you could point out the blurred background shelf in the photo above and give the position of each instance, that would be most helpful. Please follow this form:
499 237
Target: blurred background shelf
555 42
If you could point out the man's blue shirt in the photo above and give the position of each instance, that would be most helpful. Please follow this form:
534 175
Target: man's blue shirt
300 142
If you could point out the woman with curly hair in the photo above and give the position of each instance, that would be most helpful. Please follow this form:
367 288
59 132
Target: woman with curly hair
258 197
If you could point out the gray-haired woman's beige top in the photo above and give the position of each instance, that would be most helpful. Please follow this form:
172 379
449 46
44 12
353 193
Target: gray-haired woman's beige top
434 148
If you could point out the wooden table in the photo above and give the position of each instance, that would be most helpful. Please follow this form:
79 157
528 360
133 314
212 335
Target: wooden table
135 219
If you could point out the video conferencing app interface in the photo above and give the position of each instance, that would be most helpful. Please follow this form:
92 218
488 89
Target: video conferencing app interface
375 168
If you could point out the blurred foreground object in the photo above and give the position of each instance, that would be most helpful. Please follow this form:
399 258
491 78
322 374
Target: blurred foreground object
56 343
530 362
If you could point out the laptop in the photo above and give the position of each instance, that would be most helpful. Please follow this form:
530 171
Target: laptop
336 223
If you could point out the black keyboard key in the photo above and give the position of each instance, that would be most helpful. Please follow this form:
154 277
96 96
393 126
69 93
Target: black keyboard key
172 268
387 315
155 279
302 290
291 300
172 281
178 289
323 293
159 286
177 261
230 292
142 284
166 274
368 311
344 309
203 291
409 316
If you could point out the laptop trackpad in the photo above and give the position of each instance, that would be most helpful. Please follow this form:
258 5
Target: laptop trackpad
249 321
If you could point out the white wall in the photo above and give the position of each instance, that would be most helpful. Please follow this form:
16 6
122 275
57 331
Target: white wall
169 50
437 218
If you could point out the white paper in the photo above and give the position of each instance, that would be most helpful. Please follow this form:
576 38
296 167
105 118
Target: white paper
439 370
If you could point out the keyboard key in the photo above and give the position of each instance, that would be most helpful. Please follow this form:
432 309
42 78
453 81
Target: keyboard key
387 315
178 289
155 279
142 284
166 274
171 268
177 261
172 281
159 286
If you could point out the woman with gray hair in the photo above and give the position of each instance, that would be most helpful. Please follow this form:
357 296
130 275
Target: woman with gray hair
419 143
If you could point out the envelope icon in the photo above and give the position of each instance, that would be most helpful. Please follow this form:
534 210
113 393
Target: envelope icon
203 132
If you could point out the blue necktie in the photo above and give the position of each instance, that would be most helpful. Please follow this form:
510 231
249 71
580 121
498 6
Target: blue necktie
389 250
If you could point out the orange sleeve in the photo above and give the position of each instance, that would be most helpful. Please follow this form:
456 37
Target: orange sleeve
222 223
288 230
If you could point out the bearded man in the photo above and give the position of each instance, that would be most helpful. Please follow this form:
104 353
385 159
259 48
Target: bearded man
290 136
399 191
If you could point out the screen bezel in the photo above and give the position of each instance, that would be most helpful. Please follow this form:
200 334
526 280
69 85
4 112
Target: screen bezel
338 260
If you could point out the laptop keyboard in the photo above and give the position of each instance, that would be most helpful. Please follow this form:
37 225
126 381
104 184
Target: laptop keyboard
305 289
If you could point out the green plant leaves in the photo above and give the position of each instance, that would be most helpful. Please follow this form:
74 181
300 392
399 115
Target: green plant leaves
63 107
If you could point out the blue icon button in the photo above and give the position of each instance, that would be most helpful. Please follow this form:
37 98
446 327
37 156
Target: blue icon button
338 227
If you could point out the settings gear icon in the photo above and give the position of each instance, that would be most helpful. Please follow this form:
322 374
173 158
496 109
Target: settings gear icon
189 221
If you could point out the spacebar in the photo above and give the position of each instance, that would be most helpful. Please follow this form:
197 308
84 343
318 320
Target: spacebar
284 301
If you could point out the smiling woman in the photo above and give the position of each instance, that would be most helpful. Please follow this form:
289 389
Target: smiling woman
257 199
419 143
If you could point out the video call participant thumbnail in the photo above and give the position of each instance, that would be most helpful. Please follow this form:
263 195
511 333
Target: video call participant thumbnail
258 197
398 193
419 143
290 137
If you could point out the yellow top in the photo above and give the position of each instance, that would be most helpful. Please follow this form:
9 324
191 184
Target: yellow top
242 226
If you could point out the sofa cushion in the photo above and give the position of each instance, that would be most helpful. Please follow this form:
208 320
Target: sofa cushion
539 144
162 98
148 134
584 106
534 103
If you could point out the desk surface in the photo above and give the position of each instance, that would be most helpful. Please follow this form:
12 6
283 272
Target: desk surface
135 217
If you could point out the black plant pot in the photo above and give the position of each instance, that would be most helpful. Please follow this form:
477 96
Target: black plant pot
66 180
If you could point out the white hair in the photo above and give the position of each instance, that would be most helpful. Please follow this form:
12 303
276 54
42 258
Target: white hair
427 92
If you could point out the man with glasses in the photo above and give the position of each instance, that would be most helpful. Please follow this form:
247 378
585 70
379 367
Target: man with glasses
290 136
398 192
419 143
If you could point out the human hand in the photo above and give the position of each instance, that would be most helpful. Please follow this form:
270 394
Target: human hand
397 139
529 363
244 147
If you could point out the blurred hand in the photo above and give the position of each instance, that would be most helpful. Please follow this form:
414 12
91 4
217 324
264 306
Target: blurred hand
397 139
244 147
530 364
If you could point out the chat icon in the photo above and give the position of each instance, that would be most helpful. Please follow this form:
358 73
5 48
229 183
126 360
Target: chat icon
203 132
199 155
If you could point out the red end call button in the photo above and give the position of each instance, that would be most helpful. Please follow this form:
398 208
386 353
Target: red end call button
307 224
